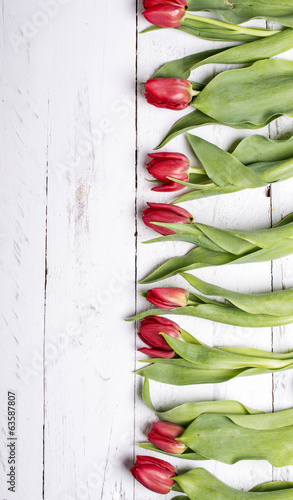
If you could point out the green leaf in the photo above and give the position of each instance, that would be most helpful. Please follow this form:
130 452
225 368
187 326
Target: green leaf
240 11
200 484
222 167
215 30
214 358
218 437
220 313
187 455
217 247
184 414
258 148
250 95
273 486
278 303
195 259
180 372
188 122
240 54
242 98
181 68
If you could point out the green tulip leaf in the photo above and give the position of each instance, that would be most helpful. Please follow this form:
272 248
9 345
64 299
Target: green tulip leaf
199 484
240 54
240 11
187 455
217 247
185 413
242 98
217 437
279 303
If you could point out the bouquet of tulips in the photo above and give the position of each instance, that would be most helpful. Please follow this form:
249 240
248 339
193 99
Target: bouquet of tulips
198 484
178 358
250 98
231 434
241 98
256 161
174 14
213 246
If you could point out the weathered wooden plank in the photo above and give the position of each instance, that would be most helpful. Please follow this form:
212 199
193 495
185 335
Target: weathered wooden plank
24 137
89 380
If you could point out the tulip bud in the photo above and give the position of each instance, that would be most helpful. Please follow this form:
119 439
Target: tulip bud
154 474
150 3
157 353
168 298
153 326
164 165
162 212
165 13
164 434
170 93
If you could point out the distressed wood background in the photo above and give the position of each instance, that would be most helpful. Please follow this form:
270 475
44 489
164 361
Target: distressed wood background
75 132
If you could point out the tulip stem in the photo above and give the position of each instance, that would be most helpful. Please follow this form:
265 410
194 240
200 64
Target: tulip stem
193 170
232 27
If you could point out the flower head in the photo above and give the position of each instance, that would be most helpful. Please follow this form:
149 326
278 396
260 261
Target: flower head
165 13
163 212
168 298
170 93
164 165
154 474
164 435
150 333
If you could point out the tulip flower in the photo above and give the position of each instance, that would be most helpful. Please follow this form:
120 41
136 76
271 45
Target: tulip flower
168 298
166 14
154 474
169 93
199 484
150 3
162 212
157 353
164 165
164 435
150 333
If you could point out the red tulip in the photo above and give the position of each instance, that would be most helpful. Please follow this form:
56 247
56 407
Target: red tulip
168 298
150 3
164 434
157 353
165 13
163 165
162 212
153 326
170 93
154 474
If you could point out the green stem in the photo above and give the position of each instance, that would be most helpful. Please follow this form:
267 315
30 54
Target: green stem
232 27
193 170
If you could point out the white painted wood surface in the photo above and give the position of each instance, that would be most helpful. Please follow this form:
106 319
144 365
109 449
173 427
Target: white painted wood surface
69 255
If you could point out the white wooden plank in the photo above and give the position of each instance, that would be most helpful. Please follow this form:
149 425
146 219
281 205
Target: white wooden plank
91 249
24 135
